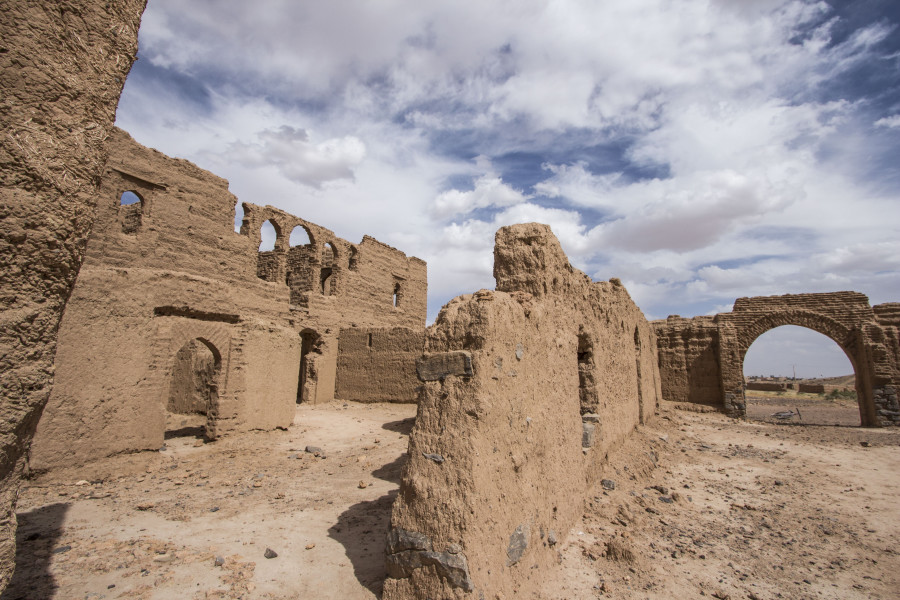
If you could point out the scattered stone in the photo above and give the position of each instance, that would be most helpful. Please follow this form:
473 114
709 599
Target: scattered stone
551 538
864 444
219 561
214 509
363 485
62 549
314 450
608 484
660 488
269 553
518 543
310 546
82 482
666 499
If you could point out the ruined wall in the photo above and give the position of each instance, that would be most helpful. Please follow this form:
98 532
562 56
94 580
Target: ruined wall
505 444
864 334
178 273
62 67
689 360
378 364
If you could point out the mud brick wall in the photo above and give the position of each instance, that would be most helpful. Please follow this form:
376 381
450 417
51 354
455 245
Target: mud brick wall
869 337
811 388
378 364
503 450
62 68
185 276
689 360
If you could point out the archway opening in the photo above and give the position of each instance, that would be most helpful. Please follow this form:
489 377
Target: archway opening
192 406
796 375
268 235
310 353
329 260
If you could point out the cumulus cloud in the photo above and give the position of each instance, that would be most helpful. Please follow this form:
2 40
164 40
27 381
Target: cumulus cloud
290 151
701 150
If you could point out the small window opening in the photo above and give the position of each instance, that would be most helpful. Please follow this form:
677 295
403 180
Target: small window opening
131 209
128 198
398 295
369 341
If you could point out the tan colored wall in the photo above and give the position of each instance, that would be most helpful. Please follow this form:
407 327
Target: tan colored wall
867 335
378 365
498 469
61 72
689 360
180 272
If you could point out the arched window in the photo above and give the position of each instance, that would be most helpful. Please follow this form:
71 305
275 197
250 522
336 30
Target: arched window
299 237
268 235
270 261
398 294
329 259
131 211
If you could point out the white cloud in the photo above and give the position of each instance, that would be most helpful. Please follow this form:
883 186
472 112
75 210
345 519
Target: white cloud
683 146
892 122
290 151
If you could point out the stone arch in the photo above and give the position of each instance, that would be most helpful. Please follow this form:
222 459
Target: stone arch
296 237
844 337
131 211
193 391
270 261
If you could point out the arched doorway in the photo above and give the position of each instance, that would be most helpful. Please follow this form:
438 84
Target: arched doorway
310 353
795 374
193 401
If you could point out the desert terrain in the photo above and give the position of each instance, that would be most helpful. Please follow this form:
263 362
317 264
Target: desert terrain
694 504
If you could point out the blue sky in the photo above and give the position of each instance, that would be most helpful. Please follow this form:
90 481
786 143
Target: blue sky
698 150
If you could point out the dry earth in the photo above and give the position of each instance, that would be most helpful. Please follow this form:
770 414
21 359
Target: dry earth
741 510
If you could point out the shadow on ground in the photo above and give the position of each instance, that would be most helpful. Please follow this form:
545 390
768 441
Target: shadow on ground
361 529
403 426
36 543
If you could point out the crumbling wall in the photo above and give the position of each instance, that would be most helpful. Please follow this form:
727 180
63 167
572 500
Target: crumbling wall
181 273
689 360
504 449
378 364
62 67
767 386
864 334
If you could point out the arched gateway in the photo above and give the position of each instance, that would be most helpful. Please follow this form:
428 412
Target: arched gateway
701 359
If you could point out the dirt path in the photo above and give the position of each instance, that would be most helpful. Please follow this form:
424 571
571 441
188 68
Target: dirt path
743 510
151 525
707 506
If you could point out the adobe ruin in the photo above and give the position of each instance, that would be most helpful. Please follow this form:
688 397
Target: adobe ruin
526 389
701 359
177 322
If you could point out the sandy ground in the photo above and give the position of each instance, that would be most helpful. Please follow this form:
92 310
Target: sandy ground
741 510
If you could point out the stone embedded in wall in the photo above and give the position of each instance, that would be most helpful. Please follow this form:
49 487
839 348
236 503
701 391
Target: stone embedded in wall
435 367
500 405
